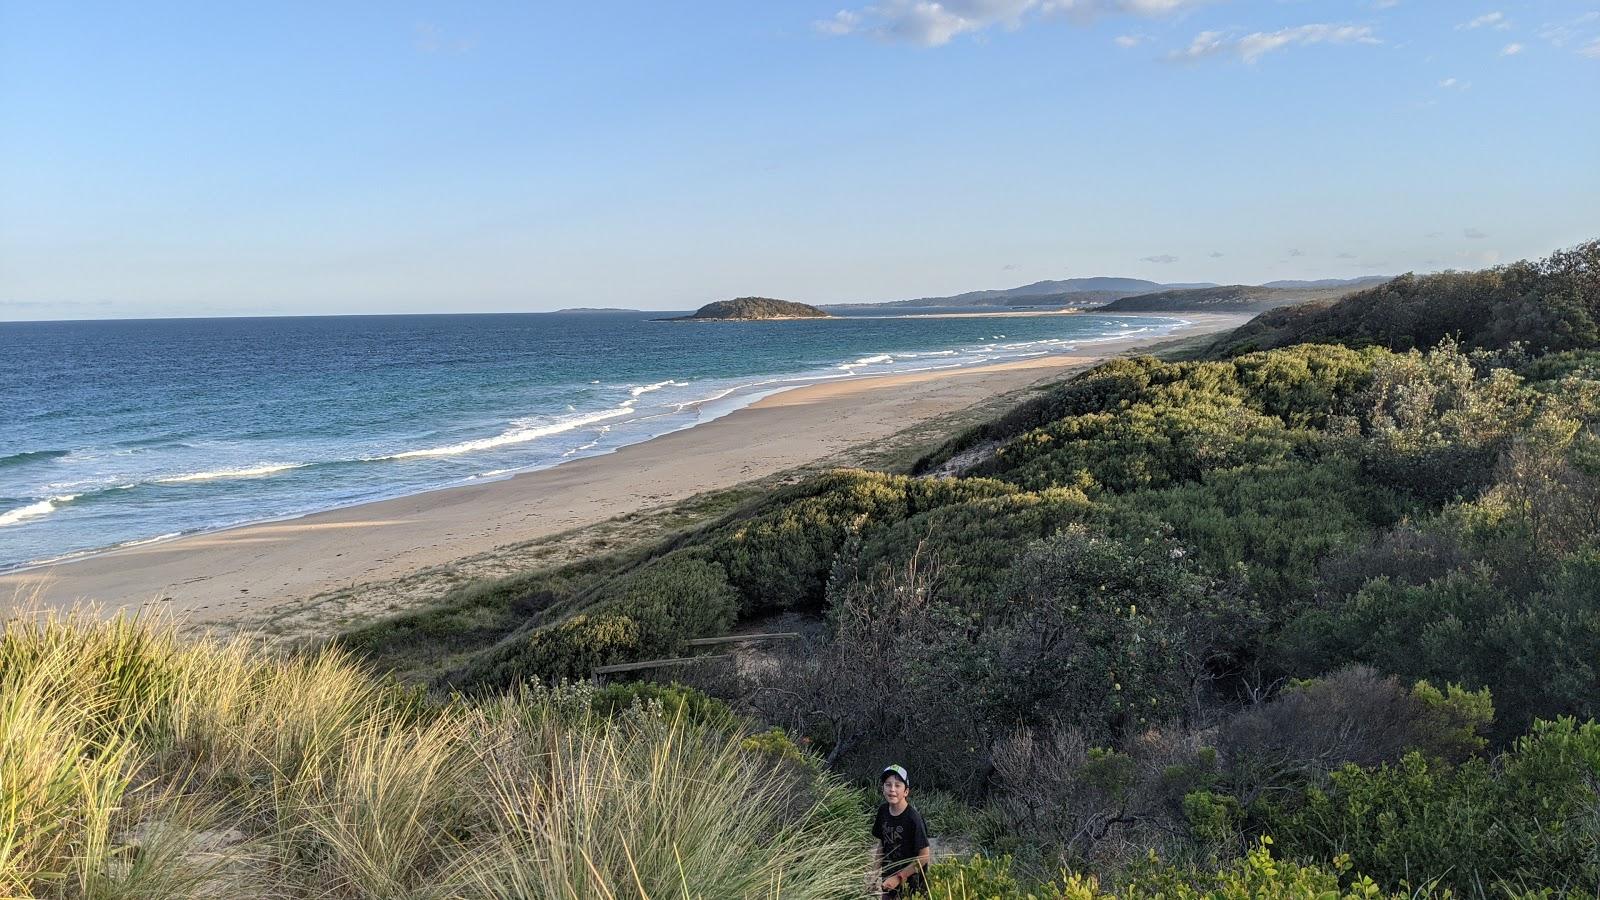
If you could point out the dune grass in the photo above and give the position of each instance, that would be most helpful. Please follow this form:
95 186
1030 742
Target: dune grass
137 763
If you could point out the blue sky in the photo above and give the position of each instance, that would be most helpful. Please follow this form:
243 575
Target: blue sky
245 159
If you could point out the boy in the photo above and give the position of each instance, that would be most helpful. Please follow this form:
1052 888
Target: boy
902 851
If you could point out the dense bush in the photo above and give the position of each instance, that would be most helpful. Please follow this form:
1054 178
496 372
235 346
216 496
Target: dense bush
1530 817
649 612
1273 525
780 557
1548 305
1255 876
1538 653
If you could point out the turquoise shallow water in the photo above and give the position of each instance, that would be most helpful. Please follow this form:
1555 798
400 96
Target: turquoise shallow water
119 432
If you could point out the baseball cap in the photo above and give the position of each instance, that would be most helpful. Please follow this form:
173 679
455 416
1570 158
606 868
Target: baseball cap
896 770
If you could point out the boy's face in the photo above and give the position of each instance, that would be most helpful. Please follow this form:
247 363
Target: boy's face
894 790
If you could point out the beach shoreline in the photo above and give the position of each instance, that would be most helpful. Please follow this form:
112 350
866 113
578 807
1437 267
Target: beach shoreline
236 573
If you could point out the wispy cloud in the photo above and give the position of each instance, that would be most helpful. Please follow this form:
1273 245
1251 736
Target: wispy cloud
1251 47
428 38
1495 19
1511 49
1473 234
1591 49
1129 40
1582 28
1297 252
1216 254
1454 84
934 23
843 22
1162 258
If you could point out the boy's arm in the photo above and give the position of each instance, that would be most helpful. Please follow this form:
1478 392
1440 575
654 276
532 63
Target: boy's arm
920 864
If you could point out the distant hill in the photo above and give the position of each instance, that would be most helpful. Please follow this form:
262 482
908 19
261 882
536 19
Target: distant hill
756 308
1041 293
1363 281
1226 298
1545 305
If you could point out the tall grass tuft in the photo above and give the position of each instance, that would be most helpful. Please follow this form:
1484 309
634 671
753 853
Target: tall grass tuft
135 763
641 806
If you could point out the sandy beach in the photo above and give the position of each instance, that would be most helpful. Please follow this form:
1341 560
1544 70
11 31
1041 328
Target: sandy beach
236 574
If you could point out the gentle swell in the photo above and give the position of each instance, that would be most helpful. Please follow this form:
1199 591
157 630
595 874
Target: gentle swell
34 510
252 472
647 388
519 435
30 456
869 360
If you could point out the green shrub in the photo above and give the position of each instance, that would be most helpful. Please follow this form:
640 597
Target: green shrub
674 700
1256 876
1527 819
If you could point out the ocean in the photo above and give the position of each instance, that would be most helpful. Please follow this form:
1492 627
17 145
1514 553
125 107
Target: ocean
116 433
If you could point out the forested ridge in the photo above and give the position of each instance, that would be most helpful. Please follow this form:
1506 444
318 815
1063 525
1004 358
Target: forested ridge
1343 593
757 308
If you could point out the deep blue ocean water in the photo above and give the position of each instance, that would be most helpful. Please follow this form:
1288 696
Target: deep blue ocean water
120 432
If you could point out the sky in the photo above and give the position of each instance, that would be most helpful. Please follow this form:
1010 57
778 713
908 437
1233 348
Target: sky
204 159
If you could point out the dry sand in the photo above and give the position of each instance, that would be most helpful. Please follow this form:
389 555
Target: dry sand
238 574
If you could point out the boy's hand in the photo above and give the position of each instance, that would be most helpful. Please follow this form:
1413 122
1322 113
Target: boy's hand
892 882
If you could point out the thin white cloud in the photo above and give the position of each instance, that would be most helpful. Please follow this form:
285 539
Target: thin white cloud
934 23
1495 19
1561 33
843 22
1511 49
1454 84
1583 30
1128 40
428 38
1088 10
1161 258
1251 47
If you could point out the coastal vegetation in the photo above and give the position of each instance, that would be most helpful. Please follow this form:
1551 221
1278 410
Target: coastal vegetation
1193 604
138 764
757 308
1231 298
1314 615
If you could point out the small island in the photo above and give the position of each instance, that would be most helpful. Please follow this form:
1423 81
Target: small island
747 308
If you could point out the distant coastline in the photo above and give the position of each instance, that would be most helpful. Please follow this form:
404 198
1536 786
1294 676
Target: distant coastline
203 574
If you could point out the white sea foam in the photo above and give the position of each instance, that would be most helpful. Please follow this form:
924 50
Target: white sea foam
251 472
34 510
519 434
151 540
868 361
647 388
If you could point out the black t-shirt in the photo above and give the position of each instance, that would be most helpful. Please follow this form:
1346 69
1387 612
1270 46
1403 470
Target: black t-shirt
900 838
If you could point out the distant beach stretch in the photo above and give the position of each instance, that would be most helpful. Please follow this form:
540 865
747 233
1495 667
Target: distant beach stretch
222 574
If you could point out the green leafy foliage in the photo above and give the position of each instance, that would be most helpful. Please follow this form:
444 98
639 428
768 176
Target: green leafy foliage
1528 818
1552 304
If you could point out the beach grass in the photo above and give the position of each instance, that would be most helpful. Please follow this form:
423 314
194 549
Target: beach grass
136 762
